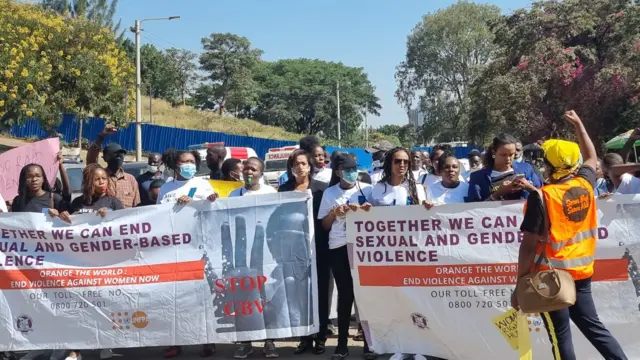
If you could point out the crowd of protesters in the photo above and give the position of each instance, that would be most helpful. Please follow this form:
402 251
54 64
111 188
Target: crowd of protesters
399 177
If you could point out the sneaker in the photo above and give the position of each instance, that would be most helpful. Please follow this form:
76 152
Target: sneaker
341 352
169 352
243 351
319 348
303 346
369 354
331 330
270 349
106 354
359 336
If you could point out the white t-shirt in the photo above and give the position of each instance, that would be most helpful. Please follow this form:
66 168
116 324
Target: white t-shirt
417 174
175 189
429 179
440 195
263 189
387 195
323 175
376 176
629 185
3 205
334 196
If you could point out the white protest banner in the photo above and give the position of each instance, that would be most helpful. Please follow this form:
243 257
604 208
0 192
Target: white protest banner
233 270
431 281
43 153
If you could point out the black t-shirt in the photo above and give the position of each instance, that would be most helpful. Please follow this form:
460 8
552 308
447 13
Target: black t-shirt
81 206
38 203
533 221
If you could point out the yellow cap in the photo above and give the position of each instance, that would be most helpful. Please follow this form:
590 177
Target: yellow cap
563 155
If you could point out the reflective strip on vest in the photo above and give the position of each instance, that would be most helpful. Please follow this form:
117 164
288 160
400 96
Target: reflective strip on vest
567 263
579 237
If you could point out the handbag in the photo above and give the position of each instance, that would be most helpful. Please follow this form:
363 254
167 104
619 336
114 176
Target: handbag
543 291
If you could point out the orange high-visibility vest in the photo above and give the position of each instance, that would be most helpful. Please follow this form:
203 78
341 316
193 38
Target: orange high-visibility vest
573 227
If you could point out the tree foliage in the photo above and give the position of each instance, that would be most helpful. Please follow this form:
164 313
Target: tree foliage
183 67
555 56
445 53
100 11
300 96
52 65
229 61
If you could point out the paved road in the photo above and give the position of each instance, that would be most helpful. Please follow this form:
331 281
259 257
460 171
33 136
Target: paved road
225 351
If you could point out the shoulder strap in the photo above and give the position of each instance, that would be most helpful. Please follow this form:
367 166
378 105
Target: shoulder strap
547 230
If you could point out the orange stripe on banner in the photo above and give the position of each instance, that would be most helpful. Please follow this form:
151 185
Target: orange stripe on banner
114 276
469 275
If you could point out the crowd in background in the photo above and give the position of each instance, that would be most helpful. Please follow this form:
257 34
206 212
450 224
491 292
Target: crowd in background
399 177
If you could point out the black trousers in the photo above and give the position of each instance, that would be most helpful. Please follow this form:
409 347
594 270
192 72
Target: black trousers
584 315
339 259
323 269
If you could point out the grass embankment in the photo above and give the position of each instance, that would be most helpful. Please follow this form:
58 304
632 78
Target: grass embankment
187 117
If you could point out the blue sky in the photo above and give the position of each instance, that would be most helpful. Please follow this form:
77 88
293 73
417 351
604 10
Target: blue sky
362 33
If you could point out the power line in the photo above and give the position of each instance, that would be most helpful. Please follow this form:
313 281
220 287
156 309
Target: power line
166 41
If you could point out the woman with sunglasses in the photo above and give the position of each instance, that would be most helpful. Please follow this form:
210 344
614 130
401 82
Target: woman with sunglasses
398 186
344 194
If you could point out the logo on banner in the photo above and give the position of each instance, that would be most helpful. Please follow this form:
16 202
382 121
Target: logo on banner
535 323
419 320
24 324
125 320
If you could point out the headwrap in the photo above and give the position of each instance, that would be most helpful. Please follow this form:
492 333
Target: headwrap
563 155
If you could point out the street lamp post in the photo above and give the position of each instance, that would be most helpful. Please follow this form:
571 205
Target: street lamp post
136 30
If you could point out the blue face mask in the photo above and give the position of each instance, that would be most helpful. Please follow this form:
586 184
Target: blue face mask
350 176
188 171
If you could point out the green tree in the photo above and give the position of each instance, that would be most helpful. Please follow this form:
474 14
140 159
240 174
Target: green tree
183 69
157 73
229 61
100 11
445 52
580 54
300 96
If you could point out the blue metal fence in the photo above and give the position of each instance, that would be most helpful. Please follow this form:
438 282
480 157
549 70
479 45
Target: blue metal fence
155 138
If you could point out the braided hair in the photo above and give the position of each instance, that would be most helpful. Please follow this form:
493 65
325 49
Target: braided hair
88 182
408 176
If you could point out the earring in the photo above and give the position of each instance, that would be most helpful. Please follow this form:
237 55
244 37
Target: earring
493 156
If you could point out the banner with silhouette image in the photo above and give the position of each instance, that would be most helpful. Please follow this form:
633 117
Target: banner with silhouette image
210 272
432 282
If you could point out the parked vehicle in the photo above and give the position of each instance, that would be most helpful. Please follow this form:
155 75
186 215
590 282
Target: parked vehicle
275 164
241 153
135 168
74 168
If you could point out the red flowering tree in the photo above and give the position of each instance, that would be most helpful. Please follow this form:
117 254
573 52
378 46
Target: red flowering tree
575 54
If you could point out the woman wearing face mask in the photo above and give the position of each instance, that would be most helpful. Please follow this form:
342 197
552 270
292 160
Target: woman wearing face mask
232 170
502 179
449 190
299 170
94 197
184 188
343 195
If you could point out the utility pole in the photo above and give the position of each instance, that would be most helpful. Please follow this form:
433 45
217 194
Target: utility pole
136 29
366 127
338 102
150 105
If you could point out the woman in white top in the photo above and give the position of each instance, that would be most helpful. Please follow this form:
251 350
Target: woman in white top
182 189
429 179
449 190
252 173
397 186
343 195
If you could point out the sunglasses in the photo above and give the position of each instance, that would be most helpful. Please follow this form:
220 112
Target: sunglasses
400 161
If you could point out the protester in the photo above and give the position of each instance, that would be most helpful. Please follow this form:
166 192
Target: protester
498 181
416 164
123 185
397 185
603 186
434 176
95 197
312 145
300 170
475 163
519 152
567 183
184 188
215 158
154 190
622 183
232 170
344 194
62 186
252 173
449 190
153 172
378 152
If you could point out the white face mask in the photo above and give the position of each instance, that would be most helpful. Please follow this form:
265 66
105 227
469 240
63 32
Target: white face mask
377 163
152 169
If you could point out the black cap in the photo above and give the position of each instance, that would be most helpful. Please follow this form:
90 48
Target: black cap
113 148
344 161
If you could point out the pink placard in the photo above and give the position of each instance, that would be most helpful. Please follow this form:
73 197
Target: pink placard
11 162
